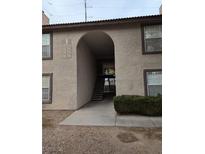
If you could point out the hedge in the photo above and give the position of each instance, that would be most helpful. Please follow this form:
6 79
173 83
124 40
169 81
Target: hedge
142 105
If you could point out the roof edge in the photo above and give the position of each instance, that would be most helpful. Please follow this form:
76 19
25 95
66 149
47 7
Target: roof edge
138 19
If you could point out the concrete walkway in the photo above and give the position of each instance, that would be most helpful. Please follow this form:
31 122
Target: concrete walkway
102 113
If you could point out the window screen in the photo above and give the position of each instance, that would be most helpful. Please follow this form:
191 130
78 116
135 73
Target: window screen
46 46
154 83
153 38
46 88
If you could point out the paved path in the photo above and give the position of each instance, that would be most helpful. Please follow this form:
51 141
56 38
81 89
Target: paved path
102 113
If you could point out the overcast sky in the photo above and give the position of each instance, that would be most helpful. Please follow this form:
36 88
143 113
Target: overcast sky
63 11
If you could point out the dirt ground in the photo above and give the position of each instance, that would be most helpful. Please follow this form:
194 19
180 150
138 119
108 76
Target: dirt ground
97 140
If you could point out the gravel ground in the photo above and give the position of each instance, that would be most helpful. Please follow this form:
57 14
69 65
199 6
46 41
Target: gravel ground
97 140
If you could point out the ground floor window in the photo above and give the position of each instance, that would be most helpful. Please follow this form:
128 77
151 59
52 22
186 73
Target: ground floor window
153 82
47 88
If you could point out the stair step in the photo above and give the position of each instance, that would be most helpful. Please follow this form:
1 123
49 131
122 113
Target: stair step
97 96
97 99
98 93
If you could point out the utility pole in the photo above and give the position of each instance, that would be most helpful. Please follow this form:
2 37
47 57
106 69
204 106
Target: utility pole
85 1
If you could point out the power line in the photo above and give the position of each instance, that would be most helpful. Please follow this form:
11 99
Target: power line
65 5
69 5
55 3
66 15
120 7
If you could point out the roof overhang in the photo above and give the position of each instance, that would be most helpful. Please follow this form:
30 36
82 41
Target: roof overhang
102 23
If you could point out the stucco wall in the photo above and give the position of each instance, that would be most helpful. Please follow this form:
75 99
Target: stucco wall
63 67
129 61
86 73
129 65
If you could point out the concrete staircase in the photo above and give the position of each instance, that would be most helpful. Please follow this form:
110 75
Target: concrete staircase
98 93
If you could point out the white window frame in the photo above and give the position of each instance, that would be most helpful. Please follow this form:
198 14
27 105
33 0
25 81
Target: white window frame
48 43
146 84
49 100
154 37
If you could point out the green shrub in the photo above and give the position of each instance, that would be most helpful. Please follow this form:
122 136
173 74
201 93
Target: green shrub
142 105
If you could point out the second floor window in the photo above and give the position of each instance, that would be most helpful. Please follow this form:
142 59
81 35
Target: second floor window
46 46
152 38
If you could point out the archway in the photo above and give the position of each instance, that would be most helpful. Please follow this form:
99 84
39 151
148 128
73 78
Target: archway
95 67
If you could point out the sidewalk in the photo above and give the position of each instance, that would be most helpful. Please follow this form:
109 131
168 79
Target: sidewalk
102 113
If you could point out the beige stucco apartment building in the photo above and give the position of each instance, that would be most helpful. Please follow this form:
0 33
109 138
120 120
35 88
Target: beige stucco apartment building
79 59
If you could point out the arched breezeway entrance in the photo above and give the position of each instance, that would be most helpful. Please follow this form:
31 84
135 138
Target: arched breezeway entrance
95 67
